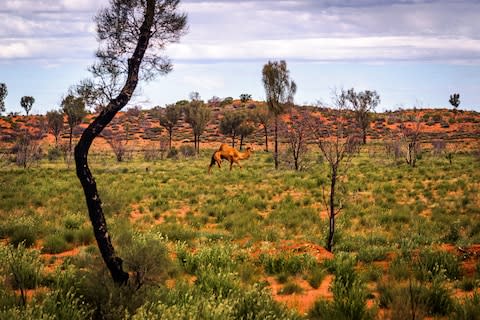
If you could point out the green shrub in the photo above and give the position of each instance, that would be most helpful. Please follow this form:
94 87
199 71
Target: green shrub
430 263
216 257
21 230
176 231
23 266
372 253
187 151
290 288
54 153
349 294
468 309
437 298
315 277
54 243
287 263
146 255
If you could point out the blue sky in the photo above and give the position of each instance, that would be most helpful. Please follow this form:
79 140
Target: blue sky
413 52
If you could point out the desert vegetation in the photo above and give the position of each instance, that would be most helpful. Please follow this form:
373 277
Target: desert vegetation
327 226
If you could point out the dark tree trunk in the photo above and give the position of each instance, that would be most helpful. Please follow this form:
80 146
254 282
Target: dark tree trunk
94 204
233 141
70 141
170 133
241 142
275 155
364 136
331 231
266 138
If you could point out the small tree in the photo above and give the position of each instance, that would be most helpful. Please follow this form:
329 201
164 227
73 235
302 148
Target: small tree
410 137
338 149
362 104
197 115
74 108
244 130
263 117
3 95
279 90
455 101
230 123
55 124
245 97
27 103
27 149
296 130
169 119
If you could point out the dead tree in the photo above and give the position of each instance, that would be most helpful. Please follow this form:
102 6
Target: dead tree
296 131
338 148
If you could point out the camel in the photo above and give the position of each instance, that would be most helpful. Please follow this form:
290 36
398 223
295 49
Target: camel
228 153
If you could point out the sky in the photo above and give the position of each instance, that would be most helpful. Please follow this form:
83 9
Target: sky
414 53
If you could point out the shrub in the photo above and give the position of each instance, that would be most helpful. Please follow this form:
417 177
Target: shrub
430 263
54 243
23 267
468 309
54 154
172 153
217 257
187 150
287 263
146 255
315 277
22 230
349 294
290 288
437 297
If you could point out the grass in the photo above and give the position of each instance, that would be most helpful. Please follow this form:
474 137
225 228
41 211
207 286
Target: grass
225 230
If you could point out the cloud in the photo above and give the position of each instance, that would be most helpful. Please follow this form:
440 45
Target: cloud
331 30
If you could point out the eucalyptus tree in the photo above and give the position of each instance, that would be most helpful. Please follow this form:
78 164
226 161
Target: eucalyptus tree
74 109
3 95
363 104
27 103
132 35
55 124
245 129
169 119
279 90
197 115
230 124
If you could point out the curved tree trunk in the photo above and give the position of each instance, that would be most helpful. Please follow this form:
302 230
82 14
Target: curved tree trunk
94 204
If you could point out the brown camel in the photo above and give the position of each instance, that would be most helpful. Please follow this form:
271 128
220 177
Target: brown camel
228 153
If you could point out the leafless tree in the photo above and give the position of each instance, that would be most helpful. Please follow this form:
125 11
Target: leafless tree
296 130
338 148
131 35
410 137
27 149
